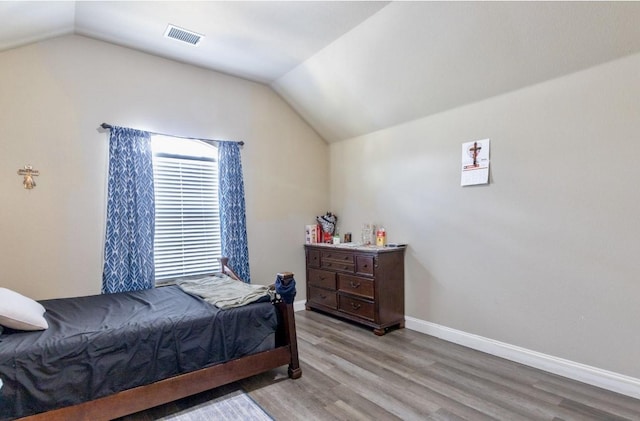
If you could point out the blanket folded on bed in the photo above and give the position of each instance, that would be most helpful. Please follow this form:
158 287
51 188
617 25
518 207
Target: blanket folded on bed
223 291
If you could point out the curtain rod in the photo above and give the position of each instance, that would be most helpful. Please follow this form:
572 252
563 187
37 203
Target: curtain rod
240 142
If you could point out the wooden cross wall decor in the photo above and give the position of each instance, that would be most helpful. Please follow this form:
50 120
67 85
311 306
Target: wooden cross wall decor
474 152
28 172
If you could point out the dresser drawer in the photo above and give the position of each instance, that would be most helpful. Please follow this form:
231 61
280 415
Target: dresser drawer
340 256
356 306
364 265
322 279
355 285
337 265
313 258
323 296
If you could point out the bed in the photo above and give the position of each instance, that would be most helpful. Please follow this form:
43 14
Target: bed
107 356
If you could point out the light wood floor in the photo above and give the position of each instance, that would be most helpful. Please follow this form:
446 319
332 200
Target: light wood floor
348 373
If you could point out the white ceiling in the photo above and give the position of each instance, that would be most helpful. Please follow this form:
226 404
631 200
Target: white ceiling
259 40
350 68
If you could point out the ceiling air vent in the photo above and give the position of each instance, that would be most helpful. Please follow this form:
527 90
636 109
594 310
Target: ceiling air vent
183 35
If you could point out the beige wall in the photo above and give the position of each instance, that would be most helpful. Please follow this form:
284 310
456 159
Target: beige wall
53 97
546 256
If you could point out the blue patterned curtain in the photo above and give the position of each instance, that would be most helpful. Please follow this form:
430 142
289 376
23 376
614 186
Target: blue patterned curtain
128 251
233 224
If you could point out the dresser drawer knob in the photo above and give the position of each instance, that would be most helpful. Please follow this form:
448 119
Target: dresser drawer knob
355 306
324 297
354 284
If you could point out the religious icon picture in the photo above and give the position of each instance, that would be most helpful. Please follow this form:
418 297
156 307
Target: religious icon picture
475 162
28 173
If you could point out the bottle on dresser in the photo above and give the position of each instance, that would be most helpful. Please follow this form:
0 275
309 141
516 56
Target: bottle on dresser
381 237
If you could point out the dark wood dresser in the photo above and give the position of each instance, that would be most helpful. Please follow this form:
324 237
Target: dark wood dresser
362 284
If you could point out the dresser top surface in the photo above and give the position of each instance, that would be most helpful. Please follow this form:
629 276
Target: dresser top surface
358 247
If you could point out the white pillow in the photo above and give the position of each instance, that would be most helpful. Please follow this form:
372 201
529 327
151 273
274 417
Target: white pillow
20 312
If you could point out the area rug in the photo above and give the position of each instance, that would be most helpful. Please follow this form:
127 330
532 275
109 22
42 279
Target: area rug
234 407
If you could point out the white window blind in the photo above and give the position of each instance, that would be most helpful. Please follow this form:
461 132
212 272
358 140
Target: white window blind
187 233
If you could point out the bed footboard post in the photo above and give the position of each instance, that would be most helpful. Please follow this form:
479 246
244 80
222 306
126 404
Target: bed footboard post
294 366
290 337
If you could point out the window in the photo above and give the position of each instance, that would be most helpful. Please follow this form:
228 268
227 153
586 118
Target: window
187 233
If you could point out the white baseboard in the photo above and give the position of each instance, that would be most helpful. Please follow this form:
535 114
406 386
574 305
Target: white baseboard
609 380
298 305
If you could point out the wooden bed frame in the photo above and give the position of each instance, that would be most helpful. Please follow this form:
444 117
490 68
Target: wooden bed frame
177 387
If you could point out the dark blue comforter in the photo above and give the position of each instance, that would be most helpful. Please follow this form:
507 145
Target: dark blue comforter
102 344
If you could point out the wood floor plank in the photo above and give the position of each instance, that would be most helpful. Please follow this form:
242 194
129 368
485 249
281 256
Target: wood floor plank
351 406
599 400
444 415
591 412
522 392
412 389
351 374
472 358
404 404
371 370
518 401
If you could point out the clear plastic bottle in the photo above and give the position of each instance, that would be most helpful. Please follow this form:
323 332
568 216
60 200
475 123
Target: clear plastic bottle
366 234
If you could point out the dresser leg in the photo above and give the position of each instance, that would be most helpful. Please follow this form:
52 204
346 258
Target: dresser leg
379 332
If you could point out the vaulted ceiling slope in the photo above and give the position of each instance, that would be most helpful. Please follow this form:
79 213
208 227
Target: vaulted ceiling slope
414 59
351 68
